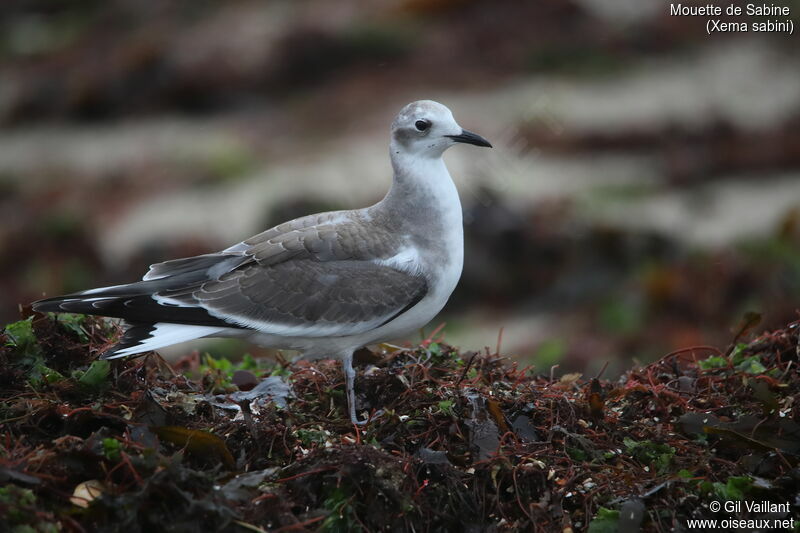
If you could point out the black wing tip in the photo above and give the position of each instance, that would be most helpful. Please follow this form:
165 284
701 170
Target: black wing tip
111 354
48 305
134 334
108 354
66 304
133 309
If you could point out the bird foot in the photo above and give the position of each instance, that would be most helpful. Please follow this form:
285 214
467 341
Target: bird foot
354 419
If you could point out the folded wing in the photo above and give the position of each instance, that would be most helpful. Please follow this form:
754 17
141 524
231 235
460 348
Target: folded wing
321 280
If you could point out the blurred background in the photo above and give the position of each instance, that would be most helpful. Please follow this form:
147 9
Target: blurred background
643 194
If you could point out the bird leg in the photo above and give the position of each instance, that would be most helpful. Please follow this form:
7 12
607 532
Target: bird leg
349 382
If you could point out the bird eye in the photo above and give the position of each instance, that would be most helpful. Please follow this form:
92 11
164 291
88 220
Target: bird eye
422 125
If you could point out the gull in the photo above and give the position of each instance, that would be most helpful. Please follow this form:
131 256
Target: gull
325 284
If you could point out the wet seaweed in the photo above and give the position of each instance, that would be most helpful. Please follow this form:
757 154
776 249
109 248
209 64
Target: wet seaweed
465 441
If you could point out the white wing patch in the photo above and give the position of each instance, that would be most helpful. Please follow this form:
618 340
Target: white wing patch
165 334
406 260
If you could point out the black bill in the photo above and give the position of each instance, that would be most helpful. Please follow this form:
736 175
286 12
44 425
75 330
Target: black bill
470 138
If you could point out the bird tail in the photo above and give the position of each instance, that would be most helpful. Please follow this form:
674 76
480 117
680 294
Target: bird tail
145 337
148 324
152 322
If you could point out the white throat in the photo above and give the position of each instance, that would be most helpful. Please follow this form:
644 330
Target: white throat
423 178
423 194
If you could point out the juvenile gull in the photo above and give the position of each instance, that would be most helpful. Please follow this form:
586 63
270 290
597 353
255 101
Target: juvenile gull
324 284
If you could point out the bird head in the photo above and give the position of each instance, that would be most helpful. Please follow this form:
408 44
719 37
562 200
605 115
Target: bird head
427 128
